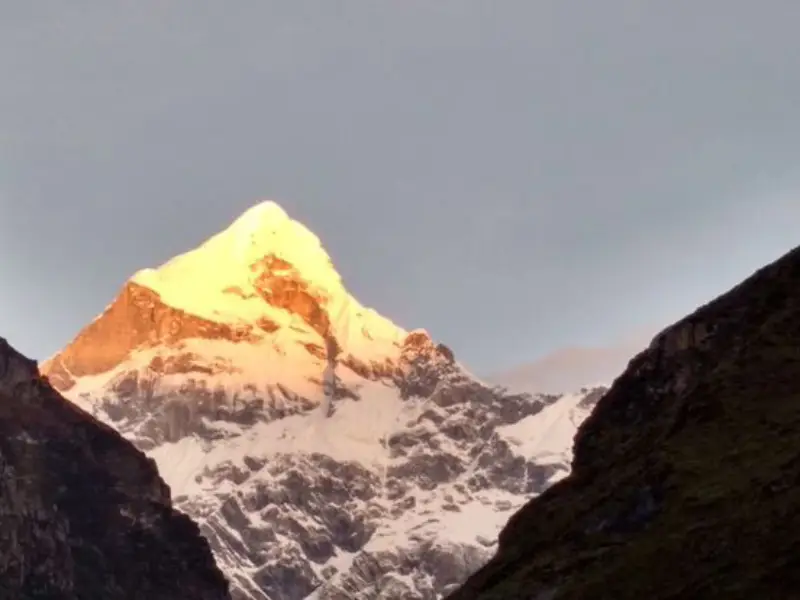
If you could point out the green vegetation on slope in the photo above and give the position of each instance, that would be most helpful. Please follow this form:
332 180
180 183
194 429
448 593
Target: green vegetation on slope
686 478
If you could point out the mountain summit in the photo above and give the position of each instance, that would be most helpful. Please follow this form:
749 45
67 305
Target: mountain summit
224 279
264 277
324 450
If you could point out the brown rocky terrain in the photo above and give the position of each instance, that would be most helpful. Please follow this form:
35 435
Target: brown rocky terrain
686 478
136 319
280 285
83 514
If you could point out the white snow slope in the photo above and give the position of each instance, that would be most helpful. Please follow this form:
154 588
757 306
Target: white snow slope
325 452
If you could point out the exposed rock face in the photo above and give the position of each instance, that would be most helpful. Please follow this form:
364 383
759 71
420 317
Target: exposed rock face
686 478
136 319
280 285
83 514
325 452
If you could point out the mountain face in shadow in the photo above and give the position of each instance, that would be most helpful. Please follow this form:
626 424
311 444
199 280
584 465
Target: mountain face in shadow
685 480
83 514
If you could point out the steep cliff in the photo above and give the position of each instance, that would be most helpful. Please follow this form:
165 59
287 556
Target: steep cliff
686 477
83 514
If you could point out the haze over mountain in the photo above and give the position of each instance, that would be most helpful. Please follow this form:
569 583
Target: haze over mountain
571 368
323 449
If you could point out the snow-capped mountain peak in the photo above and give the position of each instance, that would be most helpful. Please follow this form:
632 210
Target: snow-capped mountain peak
326 452
262 261
217 279
266 280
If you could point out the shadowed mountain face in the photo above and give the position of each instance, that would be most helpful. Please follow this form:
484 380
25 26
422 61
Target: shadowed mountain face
83 514
686 477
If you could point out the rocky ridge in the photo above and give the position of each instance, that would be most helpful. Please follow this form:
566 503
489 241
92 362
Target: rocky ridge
685 481
83 514
325 452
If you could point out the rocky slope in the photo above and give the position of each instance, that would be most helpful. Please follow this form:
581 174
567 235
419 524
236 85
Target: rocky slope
326 452
83 514
686 478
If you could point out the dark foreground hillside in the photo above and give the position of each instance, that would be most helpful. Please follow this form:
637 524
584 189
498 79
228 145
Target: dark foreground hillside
686 478
83 514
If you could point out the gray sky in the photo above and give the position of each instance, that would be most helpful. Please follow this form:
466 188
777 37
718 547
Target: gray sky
514 176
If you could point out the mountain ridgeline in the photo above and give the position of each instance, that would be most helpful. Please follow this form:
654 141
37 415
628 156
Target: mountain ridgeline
84 514
685 480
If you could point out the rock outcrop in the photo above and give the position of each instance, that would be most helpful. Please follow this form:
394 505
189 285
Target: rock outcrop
83 514
686 477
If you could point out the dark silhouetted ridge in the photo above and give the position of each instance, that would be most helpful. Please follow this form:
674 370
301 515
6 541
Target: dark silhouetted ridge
83 514
686 477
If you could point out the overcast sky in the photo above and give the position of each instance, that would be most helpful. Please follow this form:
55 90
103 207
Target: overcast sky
513 176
